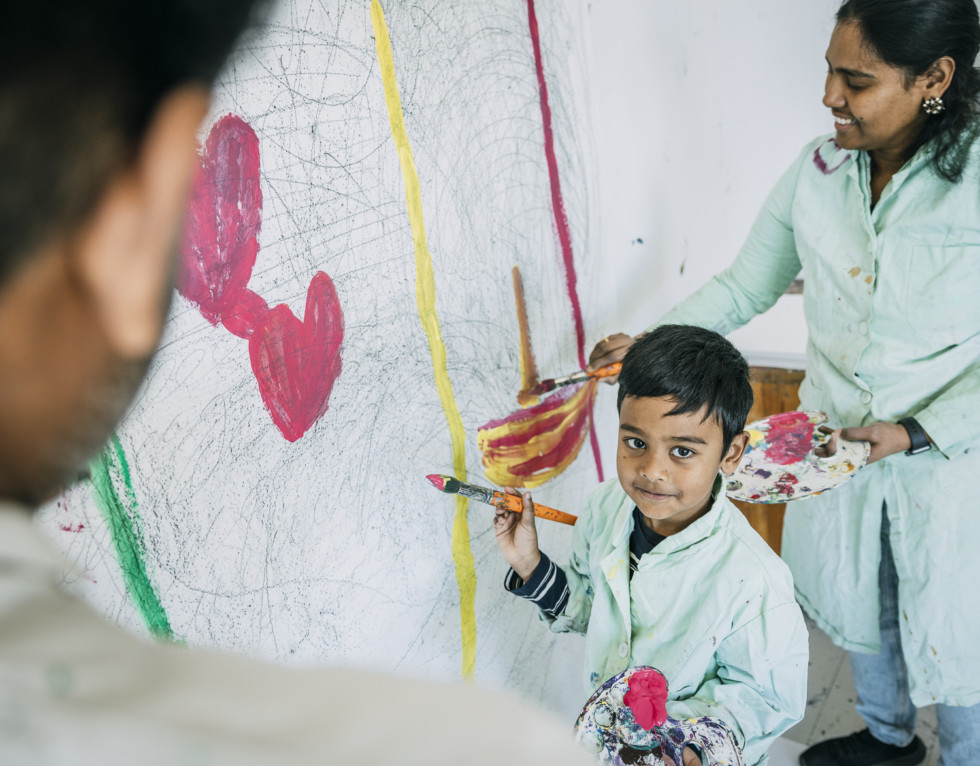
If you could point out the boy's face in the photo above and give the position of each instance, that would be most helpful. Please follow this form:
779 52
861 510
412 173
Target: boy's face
667 464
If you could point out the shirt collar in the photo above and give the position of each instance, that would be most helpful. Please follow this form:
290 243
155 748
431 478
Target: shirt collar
696 531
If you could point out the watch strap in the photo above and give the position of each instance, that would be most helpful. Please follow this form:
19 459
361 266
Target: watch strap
920 442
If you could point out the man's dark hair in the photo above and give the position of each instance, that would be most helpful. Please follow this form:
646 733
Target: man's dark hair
912 35
79 83
696 367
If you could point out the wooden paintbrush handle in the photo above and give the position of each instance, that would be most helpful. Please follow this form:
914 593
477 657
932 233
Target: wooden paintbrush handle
515 504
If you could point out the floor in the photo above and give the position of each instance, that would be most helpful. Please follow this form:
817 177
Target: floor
830 706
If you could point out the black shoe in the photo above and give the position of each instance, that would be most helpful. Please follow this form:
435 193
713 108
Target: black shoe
861 749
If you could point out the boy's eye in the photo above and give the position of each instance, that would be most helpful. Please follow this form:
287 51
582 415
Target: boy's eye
681 452
633 443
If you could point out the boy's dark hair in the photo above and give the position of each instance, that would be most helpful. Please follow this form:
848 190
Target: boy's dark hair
79 82
696 367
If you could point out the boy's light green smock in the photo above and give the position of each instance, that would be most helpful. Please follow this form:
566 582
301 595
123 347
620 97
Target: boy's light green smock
711 607
892 303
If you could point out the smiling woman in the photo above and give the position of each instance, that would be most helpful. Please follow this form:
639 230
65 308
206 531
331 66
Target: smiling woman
884 216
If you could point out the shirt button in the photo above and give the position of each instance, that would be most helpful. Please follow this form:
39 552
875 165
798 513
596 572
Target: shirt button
624 650
866 397
863 328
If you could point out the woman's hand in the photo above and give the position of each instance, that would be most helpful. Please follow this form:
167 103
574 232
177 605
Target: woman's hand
517 536
610 349
886 439
690 758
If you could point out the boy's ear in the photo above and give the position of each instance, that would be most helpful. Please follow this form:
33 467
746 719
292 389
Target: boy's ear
124 256
734 453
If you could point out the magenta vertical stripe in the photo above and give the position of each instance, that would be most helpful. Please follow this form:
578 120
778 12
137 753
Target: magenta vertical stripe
558 207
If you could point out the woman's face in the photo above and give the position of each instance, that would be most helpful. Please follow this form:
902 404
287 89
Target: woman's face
872 107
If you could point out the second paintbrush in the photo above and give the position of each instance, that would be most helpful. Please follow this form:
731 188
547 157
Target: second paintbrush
495 498
576 377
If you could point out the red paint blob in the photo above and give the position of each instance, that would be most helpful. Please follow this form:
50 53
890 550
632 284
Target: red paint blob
296 363
438 481
224 215
790 437
647 698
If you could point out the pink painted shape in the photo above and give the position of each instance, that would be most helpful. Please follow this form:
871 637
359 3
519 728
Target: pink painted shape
438 481
242 318
790 437
549 404
296 363
558 208
647 698
221 230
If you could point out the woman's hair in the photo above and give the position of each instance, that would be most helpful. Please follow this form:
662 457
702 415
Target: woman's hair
912 35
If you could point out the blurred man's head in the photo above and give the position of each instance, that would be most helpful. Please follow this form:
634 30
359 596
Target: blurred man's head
100 103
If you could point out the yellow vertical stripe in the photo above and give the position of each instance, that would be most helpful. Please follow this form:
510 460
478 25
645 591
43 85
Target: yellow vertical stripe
425 291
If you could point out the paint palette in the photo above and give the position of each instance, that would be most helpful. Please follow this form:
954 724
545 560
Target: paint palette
625 722
779 463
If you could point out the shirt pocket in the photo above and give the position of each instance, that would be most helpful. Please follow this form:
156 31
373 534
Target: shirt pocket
943 294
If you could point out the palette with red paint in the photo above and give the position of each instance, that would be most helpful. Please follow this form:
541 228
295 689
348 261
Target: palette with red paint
625 721
779 463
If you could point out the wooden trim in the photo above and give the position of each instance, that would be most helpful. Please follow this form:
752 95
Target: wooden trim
775 390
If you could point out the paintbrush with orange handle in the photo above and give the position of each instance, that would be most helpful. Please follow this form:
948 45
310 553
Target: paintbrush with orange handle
576 377
497 499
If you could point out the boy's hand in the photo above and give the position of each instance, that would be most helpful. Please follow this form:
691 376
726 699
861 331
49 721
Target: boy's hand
517 537
610 349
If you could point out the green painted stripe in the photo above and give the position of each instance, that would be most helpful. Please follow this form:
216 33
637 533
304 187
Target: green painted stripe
122 515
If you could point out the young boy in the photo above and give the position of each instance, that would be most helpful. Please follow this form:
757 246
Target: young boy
664 570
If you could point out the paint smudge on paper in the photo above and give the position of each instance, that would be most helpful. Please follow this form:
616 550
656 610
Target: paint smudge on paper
295 362
529 370
532 446
558 209
116 500
425 289
222 225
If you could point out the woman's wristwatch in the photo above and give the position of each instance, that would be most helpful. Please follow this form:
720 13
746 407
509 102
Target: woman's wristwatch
920 442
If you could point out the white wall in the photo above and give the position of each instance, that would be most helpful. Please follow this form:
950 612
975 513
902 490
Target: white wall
698 110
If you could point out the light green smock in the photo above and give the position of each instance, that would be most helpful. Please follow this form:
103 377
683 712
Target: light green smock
711 607
892 303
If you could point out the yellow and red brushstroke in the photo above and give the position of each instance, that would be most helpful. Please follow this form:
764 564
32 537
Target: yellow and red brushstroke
532 446
529 370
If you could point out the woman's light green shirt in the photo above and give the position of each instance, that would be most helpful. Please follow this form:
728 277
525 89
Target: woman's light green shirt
892 303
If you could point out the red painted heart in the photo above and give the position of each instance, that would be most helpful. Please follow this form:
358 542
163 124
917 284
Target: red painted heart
224 215
296 363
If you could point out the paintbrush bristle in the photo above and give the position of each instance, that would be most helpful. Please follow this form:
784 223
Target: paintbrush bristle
444 483
542 388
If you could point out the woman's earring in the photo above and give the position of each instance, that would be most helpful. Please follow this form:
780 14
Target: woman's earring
933 105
